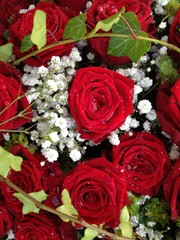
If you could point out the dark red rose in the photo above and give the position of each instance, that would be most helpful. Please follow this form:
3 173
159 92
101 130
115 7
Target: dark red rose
28 179
100 100
174 37
168 109
144 160
67 231
72 8
56 20
12 100
102 9
98 191
5 219
37 227
171 187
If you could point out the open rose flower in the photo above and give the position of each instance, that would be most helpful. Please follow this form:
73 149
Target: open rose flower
100 100
98 191
102 9
144 160
174 37
171 187
5 219
56 20
28 179
14 106
168 109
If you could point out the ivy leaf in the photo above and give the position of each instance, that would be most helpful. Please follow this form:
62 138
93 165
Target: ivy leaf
38 35
168 70
8 161
67 206
107 24
26 43
6 51
75 28
131 47
125 224
28 205
89 234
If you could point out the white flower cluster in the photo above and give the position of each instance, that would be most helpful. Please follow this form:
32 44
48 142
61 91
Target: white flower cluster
55 129
159 6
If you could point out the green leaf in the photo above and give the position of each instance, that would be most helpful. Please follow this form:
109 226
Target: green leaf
125 224
38 35
172 7
107 24
168 70
75 28
28 205
89 234
26 43
178 222
131 47
67 206
6 51
9 161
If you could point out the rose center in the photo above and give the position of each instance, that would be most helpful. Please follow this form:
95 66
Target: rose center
90 197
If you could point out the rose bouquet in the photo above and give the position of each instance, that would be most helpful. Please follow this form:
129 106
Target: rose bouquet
90 119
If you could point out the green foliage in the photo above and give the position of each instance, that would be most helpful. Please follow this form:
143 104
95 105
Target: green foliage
107 24
125 225
131 47
6 51
28 205
178 222
172 7
75 28
9 161
38 35
168 70
89 234
67 206
26 43
134 207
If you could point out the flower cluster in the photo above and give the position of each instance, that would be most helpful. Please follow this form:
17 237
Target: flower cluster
90 119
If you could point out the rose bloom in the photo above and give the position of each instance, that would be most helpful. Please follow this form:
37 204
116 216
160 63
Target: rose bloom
102 9
100 100
28 179
72 8
10 104
174 37
5 219
144 160
98 191
171 187
168 109
56 20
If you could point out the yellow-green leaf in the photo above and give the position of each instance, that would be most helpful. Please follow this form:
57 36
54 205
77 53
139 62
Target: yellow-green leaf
6 51
89 234
125 224
67 206
28 205
26 43
38 35
9 161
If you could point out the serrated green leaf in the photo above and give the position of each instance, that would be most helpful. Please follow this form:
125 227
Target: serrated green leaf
89 234
131 47
38 35
6 51
28 205
26 43
107 24
75 28
168 70
8 161
67 206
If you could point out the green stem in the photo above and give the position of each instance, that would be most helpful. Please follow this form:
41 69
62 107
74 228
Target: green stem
154 40
59 214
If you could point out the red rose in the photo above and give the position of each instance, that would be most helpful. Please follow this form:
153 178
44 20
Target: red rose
144 160
12 99
168 109
28 179
102 9
100 100
36 226
72 8
171 187
98 191
5 219
55 21
174 37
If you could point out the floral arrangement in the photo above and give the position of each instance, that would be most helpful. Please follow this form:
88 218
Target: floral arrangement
90 119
